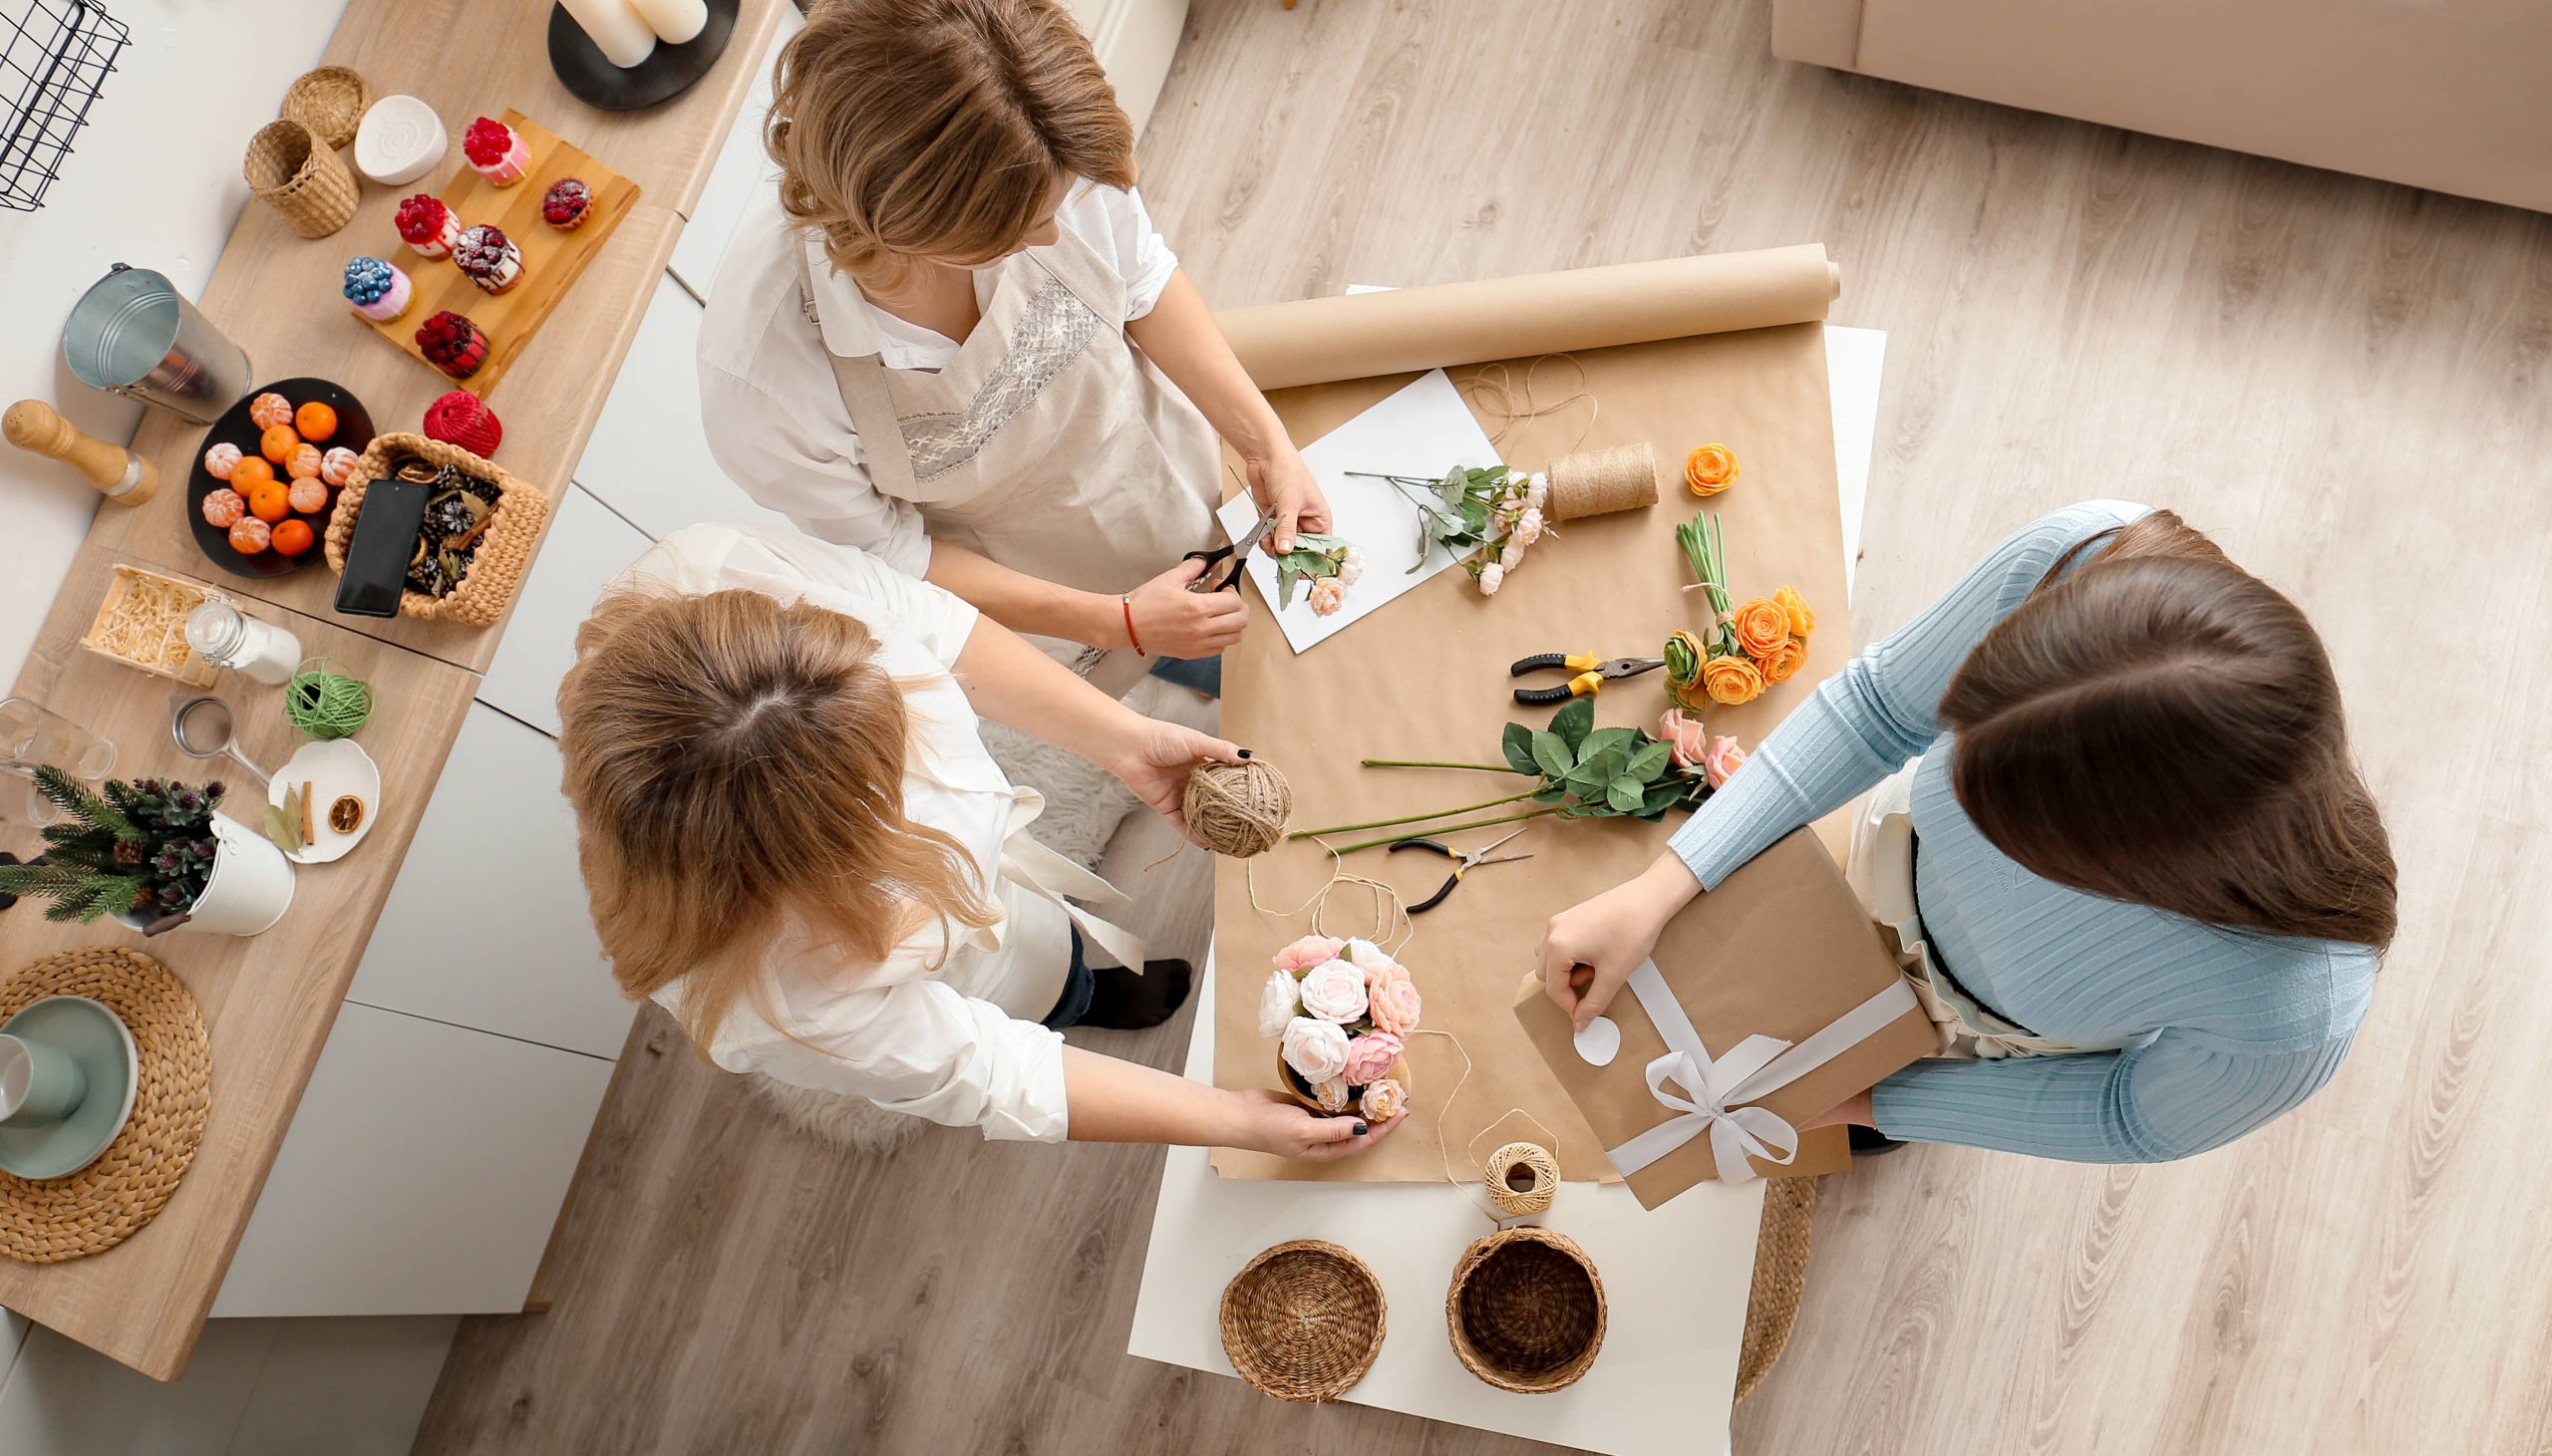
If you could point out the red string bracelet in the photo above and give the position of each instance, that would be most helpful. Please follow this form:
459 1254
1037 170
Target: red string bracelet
1128 602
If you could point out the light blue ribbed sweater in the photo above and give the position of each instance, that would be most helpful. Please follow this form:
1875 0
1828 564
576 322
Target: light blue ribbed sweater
2230 1029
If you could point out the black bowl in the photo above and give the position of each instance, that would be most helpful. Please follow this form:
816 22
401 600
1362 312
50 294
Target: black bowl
354 432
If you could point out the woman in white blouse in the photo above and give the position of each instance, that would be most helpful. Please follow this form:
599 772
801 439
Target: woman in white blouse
958 344
794 841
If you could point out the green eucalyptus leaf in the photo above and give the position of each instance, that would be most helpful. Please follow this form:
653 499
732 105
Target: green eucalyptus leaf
1517 743
1285 586
1574 722
1551 751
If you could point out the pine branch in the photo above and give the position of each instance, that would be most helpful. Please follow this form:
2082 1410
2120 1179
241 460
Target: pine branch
64 792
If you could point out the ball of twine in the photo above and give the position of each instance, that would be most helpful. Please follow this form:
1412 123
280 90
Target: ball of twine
1522 1178
326 704
1238 810
1597 482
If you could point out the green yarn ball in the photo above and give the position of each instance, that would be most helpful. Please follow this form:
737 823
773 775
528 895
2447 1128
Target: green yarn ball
326 704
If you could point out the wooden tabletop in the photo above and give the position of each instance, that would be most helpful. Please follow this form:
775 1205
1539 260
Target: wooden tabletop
269 1001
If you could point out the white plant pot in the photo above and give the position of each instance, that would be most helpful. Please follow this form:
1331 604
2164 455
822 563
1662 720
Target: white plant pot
250 887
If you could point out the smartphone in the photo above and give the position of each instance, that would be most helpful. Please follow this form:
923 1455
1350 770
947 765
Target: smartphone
385 540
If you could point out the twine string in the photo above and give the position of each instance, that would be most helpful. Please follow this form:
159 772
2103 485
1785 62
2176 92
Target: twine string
1445 1155
1508 417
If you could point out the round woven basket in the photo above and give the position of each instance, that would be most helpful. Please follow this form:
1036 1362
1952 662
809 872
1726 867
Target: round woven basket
1303 1321
1526 1310
329 101
1781 1278
505 552
298 175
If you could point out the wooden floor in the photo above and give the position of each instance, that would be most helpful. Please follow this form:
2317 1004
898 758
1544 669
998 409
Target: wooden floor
2348 383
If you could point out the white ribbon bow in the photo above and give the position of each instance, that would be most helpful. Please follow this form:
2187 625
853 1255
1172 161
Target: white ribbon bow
1708 1095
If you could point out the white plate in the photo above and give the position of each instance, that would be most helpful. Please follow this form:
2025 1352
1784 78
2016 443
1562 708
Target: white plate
332 768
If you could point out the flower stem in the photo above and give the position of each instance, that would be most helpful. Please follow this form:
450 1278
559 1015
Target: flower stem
1451 829
1437 764
1412 818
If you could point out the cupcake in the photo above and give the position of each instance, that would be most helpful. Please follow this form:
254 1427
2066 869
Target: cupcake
497 151
378 289
567 204
453 343
489 258
428 225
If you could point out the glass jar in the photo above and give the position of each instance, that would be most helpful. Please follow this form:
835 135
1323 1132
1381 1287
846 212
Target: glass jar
227 637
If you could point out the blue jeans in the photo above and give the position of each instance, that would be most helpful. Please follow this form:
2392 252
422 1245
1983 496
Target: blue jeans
1080 984
1197 674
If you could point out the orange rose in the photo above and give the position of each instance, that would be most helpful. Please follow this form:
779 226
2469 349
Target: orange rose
1760 626
1802 621
1710 469
1782 660
1732 679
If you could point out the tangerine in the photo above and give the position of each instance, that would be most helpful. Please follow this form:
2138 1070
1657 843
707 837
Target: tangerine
316 419
293 537
272 501
249 474
277 442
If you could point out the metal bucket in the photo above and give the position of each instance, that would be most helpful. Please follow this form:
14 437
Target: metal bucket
134 333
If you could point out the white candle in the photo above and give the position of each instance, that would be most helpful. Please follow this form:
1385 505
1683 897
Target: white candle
617 31
675 21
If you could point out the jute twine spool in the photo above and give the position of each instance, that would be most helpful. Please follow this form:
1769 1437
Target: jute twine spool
1526 1310
1598 483
300 177
1521 1179
50 1219
1303 1321
1238 810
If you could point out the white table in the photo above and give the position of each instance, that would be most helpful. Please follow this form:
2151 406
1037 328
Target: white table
1676 1279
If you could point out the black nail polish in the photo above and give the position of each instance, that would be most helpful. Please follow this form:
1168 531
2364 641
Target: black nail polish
1244 753
1361 1129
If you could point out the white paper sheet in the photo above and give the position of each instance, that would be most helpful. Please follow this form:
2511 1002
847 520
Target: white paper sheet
1423 429
1853 361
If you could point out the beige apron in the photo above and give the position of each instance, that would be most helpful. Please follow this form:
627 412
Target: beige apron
1050 445
1881 872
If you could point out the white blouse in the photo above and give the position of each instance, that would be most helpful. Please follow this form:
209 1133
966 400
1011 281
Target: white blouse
774 417
960 1046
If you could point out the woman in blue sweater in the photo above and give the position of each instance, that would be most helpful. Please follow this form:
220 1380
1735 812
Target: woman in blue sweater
2112 823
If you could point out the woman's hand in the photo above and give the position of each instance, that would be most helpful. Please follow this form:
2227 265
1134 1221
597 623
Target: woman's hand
1174 621
1267 1121
1155 759
1591 947
1281 484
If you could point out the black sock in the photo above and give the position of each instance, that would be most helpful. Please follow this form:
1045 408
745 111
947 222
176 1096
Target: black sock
1126 1002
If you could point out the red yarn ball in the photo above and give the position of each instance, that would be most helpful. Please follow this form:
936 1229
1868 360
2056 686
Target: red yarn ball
462 418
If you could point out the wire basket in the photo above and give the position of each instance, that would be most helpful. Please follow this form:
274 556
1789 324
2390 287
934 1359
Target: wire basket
54 55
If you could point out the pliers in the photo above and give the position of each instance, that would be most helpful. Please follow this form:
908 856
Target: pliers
1463 862
1590 671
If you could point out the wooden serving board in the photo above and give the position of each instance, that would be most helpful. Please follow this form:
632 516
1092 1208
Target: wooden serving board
550 259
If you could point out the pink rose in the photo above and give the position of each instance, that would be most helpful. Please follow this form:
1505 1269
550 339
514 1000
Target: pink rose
1332 1095
1685 742
1328 595
1491 577
1725 758
1316 1051
1371 1055
1392 1001
1334 991
1308 951
1383 1100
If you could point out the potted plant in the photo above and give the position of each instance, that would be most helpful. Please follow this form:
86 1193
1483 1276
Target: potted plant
154 855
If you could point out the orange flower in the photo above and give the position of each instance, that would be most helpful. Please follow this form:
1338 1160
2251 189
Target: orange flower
1732 679
1760 626
1710 469
1782 660
1802 621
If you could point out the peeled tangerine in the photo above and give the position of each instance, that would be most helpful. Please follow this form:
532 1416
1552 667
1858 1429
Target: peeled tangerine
249 535
337 467
220 460
308 495
269 409
303 463
222 509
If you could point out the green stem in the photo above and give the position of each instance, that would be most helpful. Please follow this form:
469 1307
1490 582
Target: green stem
1412 818
1437 763
1451 829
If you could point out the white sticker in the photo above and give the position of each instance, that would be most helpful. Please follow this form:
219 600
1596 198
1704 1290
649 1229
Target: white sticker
1600 1042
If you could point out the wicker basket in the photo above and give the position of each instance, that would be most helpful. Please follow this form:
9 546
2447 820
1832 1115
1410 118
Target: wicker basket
298 175
329 101
1526 1310
1303 1321
504 553
1290 1082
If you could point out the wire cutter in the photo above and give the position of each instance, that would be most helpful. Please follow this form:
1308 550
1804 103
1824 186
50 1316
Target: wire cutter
1590 671
1463 862
1237 553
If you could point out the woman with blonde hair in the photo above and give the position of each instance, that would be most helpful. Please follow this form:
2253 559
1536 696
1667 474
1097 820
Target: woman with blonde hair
2113 828
793 840
958 344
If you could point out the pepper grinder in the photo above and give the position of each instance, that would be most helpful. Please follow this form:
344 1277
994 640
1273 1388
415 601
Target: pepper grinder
39 429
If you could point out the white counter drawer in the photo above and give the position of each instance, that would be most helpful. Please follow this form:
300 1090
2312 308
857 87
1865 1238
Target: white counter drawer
586 546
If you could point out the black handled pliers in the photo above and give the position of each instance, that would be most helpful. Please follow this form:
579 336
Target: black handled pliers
1463 862
1589 672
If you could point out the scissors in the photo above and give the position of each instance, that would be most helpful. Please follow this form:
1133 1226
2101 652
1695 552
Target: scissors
1236 553
1590 672
1463 862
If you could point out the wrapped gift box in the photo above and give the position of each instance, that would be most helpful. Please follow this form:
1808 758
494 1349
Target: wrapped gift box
1767 1002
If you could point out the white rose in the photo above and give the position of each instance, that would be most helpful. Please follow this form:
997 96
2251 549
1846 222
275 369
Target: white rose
1277 1003
1528 526
1491 577
1517 481
1330 1095
1366 956
1537 490
1512 555
1316 1051
1351 567
1334 991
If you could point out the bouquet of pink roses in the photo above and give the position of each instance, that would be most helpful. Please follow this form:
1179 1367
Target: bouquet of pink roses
1340 1013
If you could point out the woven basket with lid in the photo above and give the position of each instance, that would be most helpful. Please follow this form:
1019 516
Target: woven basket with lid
1526 1310
1303 1321
293 171
329 101
505 552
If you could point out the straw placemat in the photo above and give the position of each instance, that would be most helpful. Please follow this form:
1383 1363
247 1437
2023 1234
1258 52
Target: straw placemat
1781 1278
108 1201
1303 1321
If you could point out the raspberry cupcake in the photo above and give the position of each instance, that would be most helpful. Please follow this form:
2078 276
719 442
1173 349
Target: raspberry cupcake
496 152
428 225
567 204
453 343
378 289
489 258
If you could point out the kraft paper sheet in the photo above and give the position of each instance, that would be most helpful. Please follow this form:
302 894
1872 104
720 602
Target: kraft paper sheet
1681 352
